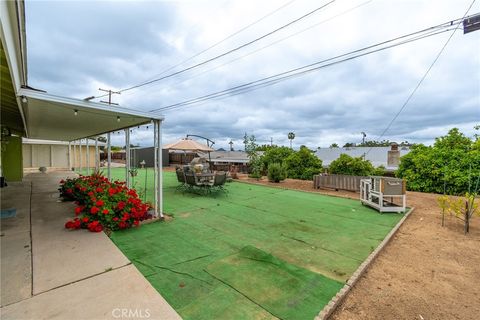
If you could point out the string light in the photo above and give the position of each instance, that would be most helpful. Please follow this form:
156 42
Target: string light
118 118
75 112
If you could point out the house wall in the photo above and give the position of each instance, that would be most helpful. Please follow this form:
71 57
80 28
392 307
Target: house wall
12 159
55 156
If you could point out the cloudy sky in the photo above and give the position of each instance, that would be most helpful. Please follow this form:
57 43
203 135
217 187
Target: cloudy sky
76 47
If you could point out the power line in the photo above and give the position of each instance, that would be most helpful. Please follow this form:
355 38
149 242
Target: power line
262 83
230 51
269 45
424 76
314 66
233 92
224 39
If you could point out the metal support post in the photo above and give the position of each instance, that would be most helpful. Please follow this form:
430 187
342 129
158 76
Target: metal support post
159 172
109 157
80 167
88 156
155 167
97 158
127 157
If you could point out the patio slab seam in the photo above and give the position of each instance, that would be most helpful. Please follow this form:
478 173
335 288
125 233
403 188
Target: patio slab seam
340 296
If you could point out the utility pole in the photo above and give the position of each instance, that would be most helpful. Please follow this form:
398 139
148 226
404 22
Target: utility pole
231 145
110 92
363 137
271 141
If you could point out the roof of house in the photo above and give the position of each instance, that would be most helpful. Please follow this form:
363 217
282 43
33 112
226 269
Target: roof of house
376 155
229 156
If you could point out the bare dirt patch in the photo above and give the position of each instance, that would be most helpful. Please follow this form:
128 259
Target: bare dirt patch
426 271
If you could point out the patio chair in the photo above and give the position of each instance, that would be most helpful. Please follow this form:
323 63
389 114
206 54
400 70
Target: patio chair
219 181
181 179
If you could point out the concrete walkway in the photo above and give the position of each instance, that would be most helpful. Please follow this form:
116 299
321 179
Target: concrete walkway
48 272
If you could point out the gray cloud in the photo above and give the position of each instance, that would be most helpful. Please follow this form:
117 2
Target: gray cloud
75 47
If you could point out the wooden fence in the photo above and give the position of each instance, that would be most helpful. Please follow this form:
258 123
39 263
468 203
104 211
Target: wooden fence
337 182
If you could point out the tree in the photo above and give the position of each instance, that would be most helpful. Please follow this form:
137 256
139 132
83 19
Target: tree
254 159
291 136
348 165
450 166
275 155
349 145
303 164
334 145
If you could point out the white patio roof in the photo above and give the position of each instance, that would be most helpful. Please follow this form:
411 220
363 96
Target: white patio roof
52 117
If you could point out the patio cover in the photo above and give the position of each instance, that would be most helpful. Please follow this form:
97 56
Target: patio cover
52 117
188 145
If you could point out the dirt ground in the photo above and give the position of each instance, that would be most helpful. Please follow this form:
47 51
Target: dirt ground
426 271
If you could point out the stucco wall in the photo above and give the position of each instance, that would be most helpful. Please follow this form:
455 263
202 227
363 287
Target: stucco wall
12 159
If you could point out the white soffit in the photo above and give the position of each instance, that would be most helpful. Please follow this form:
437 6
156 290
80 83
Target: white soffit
52 117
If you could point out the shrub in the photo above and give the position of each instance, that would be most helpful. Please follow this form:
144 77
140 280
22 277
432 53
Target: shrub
275 155
450 166
303 164
379 171
102 204
348 165
276 172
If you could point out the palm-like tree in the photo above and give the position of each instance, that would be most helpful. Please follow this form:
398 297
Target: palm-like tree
291 136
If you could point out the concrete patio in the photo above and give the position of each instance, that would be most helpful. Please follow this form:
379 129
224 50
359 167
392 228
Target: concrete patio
48 272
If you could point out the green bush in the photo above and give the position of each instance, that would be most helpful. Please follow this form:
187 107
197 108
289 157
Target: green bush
275 155
303 164
276 172
379 171
451 165
348 165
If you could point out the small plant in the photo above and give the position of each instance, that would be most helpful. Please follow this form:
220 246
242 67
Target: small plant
133 172
464 208
276 172
443 202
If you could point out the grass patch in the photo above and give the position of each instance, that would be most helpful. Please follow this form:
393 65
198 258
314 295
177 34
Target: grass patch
195 261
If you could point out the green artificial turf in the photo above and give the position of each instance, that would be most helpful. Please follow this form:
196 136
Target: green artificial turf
199 261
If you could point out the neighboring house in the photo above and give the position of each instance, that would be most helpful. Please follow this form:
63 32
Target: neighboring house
389 157
223 160
57 154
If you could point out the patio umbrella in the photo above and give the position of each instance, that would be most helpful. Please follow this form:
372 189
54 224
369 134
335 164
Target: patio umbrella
186 144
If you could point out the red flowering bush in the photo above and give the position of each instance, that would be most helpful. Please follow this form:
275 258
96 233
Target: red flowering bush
102 204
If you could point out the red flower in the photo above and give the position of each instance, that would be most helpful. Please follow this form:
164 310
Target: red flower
62 181
99 189
94 210
105 211
69 225
78 210
85 220
136 222
121 205
69 190
99 203
115 219
90 193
